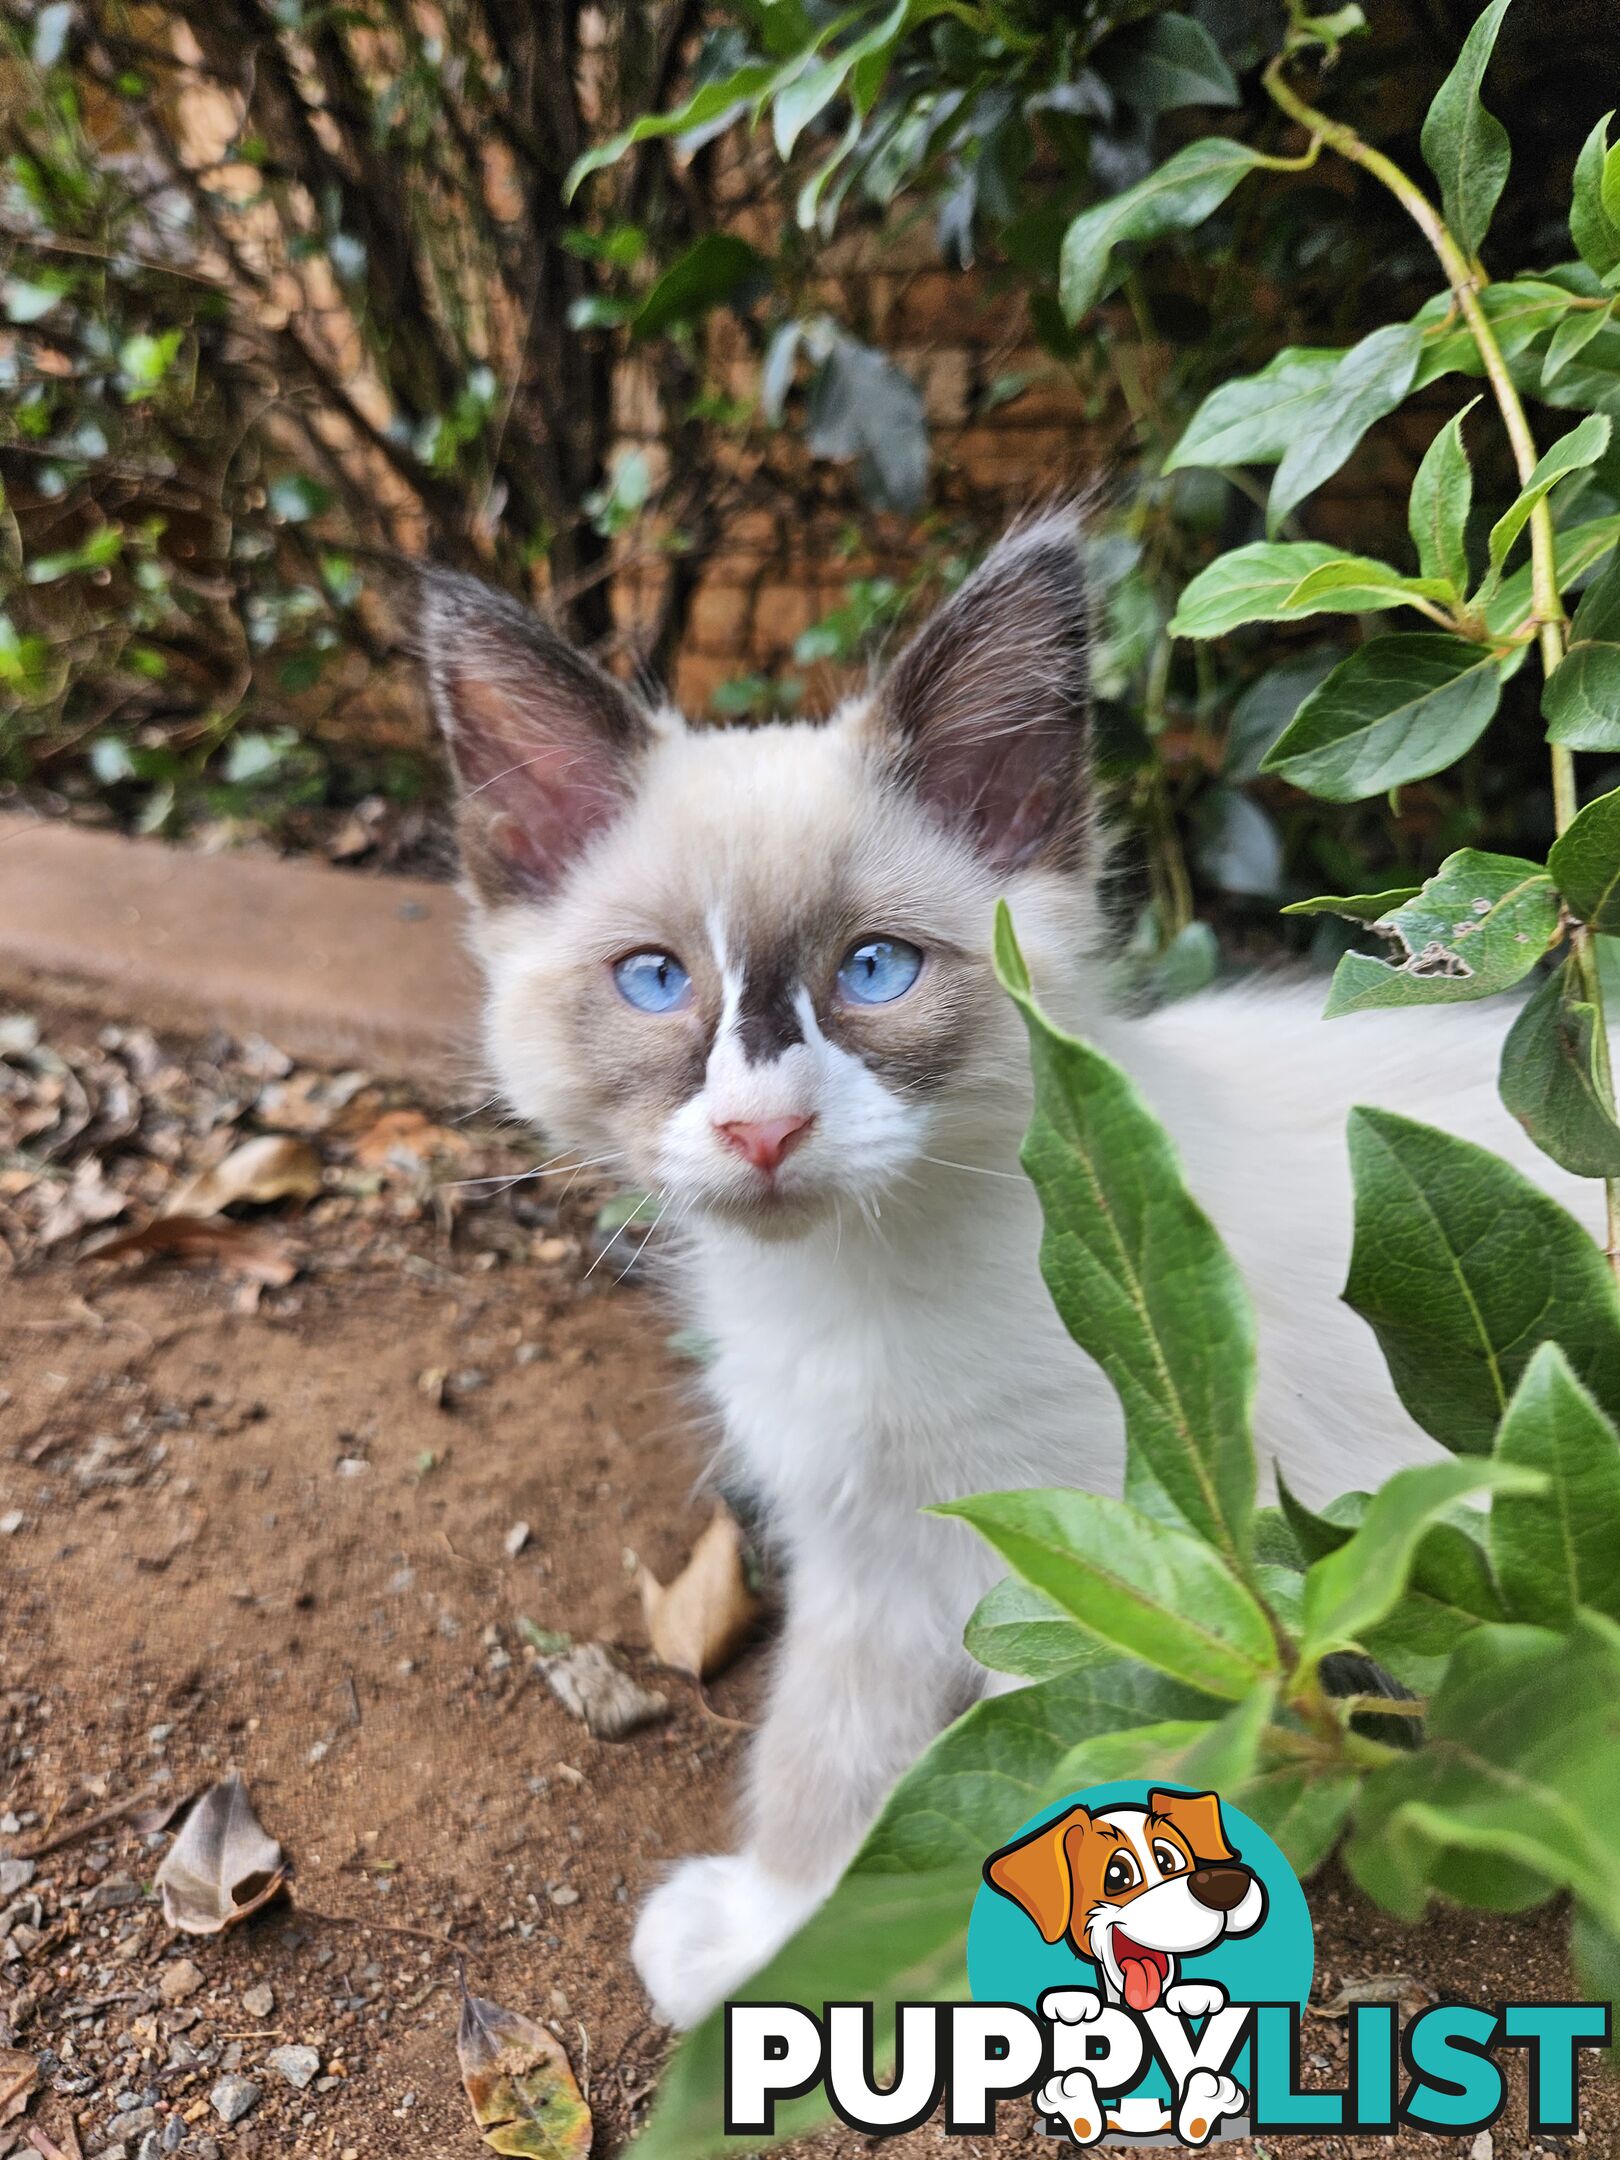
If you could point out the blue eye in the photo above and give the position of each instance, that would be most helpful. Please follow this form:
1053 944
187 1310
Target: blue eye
653 982
879 970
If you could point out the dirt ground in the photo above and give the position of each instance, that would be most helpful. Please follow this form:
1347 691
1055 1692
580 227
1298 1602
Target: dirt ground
273 1526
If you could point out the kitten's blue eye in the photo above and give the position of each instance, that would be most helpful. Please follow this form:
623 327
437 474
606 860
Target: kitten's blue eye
879 970
653 982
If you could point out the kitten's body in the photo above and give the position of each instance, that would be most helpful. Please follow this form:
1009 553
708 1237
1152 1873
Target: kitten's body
883 1338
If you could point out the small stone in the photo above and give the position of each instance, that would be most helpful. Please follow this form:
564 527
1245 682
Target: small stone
564 1894
233 2097
113 1894
15 1875
516 1538
260 2000
12 1523
1483 2147
298 2065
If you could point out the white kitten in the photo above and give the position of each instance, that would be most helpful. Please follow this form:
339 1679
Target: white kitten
753 968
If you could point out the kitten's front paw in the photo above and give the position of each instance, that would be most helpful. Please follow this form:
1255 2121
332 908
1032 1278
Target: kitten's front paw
708 1927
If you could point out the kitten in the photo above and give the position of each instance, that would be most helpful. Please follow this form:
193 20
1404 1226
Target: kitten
751 968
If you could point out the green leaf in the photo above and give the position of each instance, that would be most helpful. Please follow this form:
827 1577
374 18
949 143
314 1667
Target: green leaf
864 407
1356 907
1267 706
1582 446
712 270
798 101
144 361
1464 146
1399 709
1304 1809
1370 381
1359 585
1462 1267
708 103
1571 338
1595 232
895 1929
1152 1592
1581 698
1350 1591
1253 420
1595 1952
1442 495
1174 197
1137 1272
1513 1796
1577 548
1018 1629
1212 1755
1249 584
1519 310
1558 1549
1165 63
1585 863
1478 926
1551 1078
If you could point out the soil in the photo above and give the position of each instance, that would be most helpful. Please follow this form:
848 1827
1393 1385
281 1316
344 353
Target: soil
269 1527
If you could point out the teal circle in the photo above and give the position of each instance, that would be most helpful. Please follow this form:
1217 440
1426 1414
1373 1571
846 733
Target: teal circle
1007 1961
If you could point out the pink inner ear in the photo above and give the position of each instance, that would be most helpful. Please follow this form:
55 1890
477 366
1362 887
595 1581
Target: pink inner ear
535 793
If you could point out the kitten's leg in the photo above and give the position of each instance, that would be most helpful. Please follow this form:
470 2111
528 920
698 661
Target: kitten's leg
870 1669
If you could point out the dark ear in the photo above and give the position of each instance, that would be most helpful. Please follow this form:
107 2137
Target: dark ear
986 713
544 743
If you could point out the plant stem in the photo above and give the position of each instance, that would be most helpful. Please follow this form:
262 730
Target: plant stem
1467 280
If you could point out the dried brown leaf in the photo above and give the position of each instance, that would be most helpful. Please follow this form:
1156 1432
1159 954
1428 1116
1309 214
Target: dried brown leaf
275 1166
223 1865
525 2098
405 1140
85 1200
699 1622
237 1247
1396 1987
18 2075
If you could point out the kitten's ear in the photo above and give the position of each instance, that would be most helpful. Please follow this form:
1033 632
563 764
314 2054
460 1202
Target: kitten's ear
986 713
545 744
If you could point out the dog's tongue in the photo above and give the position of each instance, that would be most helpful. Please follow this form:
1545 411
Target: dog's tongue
1141 1978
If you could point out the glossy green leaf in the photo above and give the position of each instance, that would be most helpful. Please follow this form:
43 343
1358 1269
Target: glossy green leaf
1478 926
1355 907
1570 340
1138 1273
1585 863
895 1929
1462 1268
1165 63
1595 232
1017 1629
1252 420
1551 1081
1513 1796
798 101
1558 1549
713 269
709 102
1582 446
1350 1591
1400 708
1360 585
1581 698
1442 495
1370 381
1149 1591
1267 706
1464 146
1249 584
1576 549
1519 310
1174 197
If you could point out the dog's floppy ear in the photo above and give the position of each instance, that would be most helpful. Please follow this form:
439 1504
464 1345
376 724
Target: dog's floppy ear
1198 1817
1036 1872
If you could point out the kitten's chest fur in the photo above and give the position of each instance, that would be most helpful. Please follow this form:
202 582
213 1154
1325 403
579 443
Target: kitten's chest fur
883 1364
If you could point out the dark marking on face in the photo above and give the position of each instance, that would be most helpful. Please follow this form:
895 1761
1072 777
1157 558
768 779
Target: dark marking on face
767 1023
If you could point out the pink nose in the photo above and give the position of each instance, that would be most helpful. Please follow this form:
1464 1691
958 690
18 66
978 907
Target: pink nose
765 1141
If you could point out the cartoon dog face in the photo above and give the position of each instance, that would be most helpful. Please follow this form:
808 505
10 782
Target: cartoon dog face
1133 1888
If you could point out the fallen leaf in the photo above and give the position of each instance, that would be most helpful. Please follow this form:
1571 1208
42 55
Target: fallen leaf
275 1166
699 1622
524 2095
223 1865
308 1102
1397 1987
601 1694
63 2146
86 1200
404 1140
18 2073
237 1247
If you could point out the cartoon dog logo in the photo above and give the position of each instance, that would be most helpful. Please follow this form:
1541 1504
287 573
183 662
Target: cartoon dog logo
1136 1889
